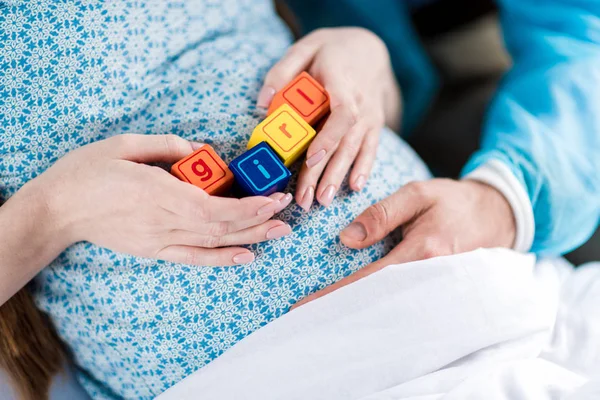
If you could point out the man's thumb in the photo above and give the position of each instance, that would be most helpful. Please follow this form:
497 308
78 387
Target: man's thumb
377 221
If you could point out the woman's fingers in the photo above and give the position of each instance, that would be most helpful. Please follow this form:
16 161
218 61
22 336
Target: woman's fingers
321 150
278 202
283 202
191 255
340 163
344 115
365 160
269 230
296 60
307 182
193 203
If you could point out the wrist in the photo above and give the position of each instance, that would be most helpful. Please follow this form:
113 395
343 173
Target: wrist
498 213
30 239
498 175
48 212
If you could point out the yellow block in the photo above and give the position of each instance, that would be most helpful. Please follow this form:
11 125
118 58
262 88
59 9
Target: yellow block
286 132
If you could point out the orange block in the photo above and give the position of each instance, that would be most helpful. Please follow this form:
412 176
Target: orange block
306 96
205 169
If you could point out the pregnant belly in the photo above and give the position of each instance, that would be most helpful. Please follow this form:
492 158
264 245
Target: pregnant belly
136 327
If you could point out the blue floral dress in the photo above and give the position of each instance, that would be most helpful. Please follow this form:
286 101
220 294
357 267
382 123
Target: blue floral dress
73 72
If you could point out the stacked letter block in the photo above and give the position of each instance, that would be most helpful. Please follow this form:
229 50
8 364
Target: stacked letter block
205 169
275 144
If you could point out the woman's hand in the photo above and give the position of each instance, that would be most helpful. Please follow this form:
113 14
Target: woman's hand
104 193
354 67
439 217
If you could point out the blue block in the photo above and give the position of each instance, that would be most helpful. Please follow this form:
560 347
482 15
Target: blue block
260 172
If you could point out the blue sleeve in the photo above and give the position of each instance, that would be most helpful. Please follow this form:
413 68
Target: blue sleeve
545 120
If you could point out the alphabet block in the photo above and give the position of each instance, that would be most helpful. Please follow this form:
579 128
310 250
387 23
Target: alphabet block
306 96
259 172
205 169
286 132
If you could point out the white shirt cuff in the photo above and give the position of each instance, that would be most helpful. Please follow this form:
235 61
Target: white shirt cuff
496 174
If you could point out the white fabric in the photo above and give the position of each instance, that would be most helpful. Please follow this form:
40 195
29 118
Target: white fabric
488 324
496 174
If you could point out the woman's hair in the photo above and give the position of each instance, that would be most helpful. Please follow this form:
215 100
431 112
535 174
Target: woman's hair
30 351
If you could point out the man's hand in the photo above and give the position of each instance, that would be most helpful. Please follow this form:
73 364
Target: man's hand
438 217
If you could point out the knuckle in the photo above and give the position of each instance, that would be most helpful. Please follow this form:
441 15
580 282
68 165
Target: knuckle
379 213
352 147
200 212
432 247
192 257
213 242
418 189
328 142
353 113
340 96
123 141
300 50
275 75
172 143
217 229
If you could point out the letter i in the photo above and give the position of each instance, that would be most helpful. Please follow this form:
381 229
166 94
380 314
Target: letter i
262 170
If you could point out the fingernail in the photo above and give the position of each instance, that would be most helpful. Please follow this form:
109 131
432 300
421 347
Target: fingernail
269 208
243 258
355 231
265 96
278 231
315 158
277 196
284 202
327 195
360 182
307 199
196 145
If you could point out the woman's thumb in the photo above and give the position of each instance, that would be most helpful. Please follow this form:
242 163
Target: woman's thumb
151 148
297 59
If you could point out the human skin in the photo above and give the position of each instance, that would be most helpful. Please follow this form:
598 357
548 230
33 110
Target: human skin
106 194
438 217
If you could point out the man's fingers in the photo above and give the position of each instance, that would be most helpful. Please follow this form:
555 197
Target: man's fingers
149 148
205 257
296 60
408 250
377 221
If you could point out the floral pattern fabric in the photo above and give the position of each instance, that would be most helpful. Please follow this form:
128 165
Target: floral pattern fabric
73 72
